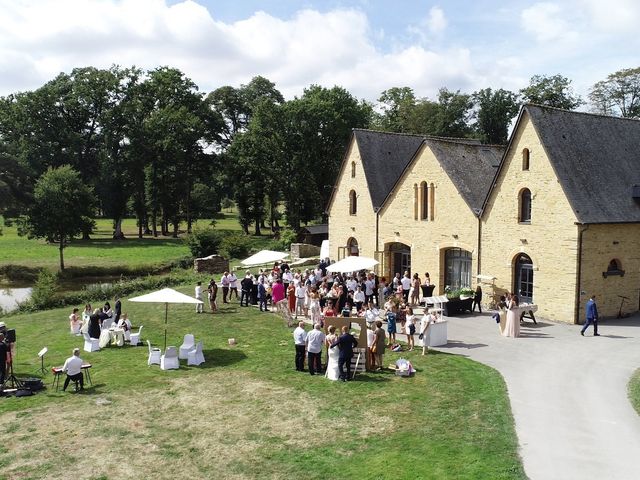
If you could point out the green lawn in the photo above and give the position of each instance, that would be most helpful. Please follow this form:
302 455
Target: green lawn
247 413
101 249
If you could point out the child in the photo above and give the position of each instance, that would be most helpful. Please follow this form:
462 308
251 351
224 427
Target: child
410 328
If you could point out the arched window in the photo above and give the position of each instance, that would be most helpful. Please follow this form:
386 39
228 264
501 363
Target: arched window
525 159
523 278
614 268
352 247
424 201
353 203
353 169
525 206
432 201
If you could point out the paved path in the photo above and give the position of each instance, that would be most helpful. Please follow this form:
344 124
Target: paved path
568 393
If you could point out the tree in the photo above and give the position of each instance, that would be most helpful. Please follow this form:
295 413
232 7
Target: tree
398 104
15 184
62 207
495 110
317 126
553 91
619 94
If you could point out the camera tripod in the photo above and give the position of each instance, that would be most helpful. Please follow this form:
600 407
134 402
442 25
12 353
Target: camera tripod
11 381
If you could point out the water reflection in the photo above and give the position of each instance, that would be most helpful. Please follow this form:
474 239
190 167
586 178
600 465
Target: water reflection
10 297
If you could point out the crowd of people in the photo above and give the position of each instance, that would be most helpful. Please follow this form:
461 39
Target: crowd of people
313 292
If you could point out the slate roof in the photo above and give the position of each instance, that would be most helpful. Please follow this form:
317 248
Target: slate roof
596 159
471 167
384 158
320 229
387 156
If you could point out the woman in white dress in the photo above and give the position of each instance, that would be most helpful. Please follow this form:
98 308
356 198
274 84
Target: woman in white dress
314 306
427 319
333 372
512 324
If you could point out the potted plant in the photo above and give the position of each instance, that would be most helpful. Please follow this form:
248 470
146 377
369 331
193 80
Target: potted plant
456 303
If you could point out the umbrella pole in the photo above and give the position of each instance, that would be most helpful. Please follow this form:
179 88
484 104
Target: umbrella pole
166 312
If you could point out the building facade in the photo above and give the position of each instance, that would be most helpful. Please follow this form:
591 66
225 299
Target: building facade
554 217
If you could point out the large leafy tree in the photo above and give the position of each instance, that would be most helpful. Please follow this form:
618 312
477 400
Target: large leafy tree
318 127
619 94
62 207
448 116
553 91
495 111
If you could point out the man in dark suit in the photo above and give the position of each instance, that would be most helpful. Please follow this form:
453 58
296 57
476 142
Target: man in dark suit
592 317
117 309
345 343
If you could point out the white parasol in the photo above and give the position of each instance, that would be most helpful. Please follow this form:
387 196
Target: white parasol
353 264
263 257
166 296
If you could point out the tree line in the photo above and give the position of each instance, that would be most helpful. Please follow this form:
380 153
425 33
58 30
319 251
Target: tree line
150 144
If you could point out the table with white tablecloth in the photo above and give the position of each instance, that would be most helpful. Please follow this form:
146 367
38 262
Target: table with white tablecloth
113 336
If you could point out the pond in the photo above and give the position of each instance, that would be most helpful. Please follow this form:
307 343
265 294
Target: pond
10 296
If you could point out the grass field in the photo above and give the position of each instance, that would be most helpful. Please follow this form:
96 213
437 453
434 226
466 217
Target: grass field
102 250
246 413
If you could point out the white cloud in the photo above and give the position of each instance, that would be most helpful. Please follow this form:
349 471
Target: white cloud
40 39
436 22
613 16
545 21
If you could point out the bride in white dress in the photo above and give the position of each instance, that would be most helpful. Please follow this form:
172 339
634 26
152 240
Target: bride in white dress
333 373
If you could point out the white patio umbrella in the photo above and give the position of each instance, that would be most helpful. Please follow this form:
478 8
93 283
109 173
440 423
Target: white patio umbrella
166 296
263 257
353 263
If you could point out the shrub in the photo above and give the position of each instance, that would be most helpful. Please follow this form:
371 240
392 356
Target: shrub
235 246
203 242
44 290
287 237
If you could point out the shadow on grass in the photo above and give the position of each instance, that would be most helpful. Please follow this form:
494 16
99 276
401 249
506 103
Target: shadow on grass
130 242
218 357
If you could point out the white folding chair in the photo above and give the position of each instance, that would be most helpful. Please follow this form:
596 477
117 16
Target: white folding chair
196 357
188 343
170 360
91 344
154 355
135 337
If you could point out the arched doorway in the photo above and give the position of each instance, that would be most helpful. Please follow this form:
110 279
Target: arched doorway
352 247
397 258
457 272
523 278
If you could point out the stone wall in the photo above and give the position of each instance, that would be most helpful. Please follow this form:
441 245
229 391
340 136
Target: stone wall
304 250
211 264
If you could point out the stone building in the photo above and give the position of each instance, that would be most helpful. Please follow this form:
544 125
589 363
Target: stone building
553 217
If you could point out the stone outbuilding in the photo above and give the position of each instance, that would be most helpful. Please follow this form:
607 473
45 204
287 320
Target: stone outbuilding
554 217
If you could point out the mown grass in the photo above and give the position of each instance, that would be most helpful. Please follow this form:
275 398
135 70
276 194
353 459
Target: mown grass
246 413
634 390
102 255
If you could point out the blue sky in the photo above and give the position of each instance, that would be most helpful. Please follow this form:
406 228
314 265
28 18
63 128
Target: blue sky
365 46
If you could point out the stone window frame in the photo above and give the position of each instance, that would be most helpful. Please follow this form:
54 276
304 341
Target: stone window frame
526 159
524 217
353 203
614 269
425 201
